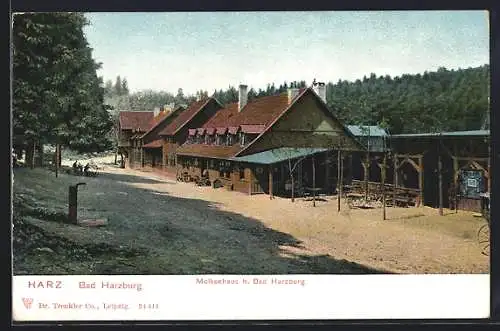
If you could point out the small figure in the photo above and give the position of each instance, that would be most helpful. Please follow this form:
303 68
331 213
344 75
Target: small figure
86 169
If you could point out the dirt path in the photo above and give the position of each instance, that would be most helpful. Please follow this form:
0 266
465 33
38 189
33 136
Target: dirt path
187 229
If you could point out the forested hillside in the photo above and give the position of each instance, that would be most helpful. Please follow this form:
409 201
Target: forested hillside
444 100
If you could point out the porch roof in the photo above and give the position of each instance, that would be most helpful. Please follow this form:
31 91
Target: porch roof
278 154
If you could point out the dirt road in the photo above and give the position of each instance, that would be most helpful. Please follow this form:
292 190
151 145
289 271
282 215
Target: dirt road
179 228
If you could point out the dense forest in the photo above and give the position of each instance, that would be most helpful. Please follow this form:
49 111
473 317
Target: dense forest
57 96
444 100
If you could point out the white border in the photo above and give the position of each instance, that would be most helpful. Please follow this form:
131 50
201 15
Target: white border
319 297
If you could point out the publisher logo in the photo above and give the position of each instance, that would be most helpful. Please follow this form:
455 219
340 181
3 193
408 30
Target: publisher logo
27 302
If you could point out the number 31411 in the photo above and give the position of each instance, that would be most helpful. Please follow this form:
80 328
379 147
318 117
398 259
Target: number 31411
148 306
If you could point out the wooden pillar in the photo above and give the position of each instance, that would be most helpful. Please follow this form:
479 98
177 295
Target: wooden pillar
327 173
314 180
421 179
440 184
142 157
455 182
489 168
395 180
271 181
339 178
366 168
384 165
250 181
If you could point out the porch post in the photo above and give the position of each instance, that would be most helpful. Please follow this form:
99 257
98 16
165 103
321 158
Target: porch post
250 181
455 183
366 168
395 180
440 181
384 165
339 178
489 168
142 156
271 181
314 180
421 179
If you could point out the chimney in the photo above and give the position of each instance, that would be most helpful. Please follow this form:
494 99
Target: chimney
292 94
156 111
320 89
242 97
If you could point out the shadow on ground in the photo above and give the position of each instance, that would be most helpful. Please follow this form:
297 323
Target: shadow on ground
172 235
132 178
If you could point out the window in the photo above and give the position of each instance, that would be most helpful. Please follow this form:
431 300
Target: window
242 139
207 139
230 139
242 173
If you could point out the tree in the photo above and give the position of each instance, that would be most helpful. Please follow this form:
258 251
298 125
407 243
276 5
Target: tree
124 89
118 86
57 95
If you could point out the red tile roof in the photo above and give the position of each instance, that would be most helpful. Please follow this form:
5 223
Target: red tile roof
154 144
180 121
214 151
131 120
160 118
261 111
255 117
249 128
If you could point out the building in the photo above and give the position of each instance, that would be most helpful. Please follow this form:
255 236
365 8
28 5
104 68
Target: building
269 145
376 141
152 142
454 167
175 133
132 124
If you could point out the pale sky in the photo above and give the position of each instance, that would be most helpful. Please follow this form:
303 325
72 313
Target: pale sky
165 51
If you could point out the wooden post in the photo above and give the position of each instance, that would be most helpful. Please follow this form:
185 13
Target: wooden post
271 181
314 181
384 165
327 173
489 168
366 168
455 182
440 184
142 156
395 180
250 182
339 178
421 179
